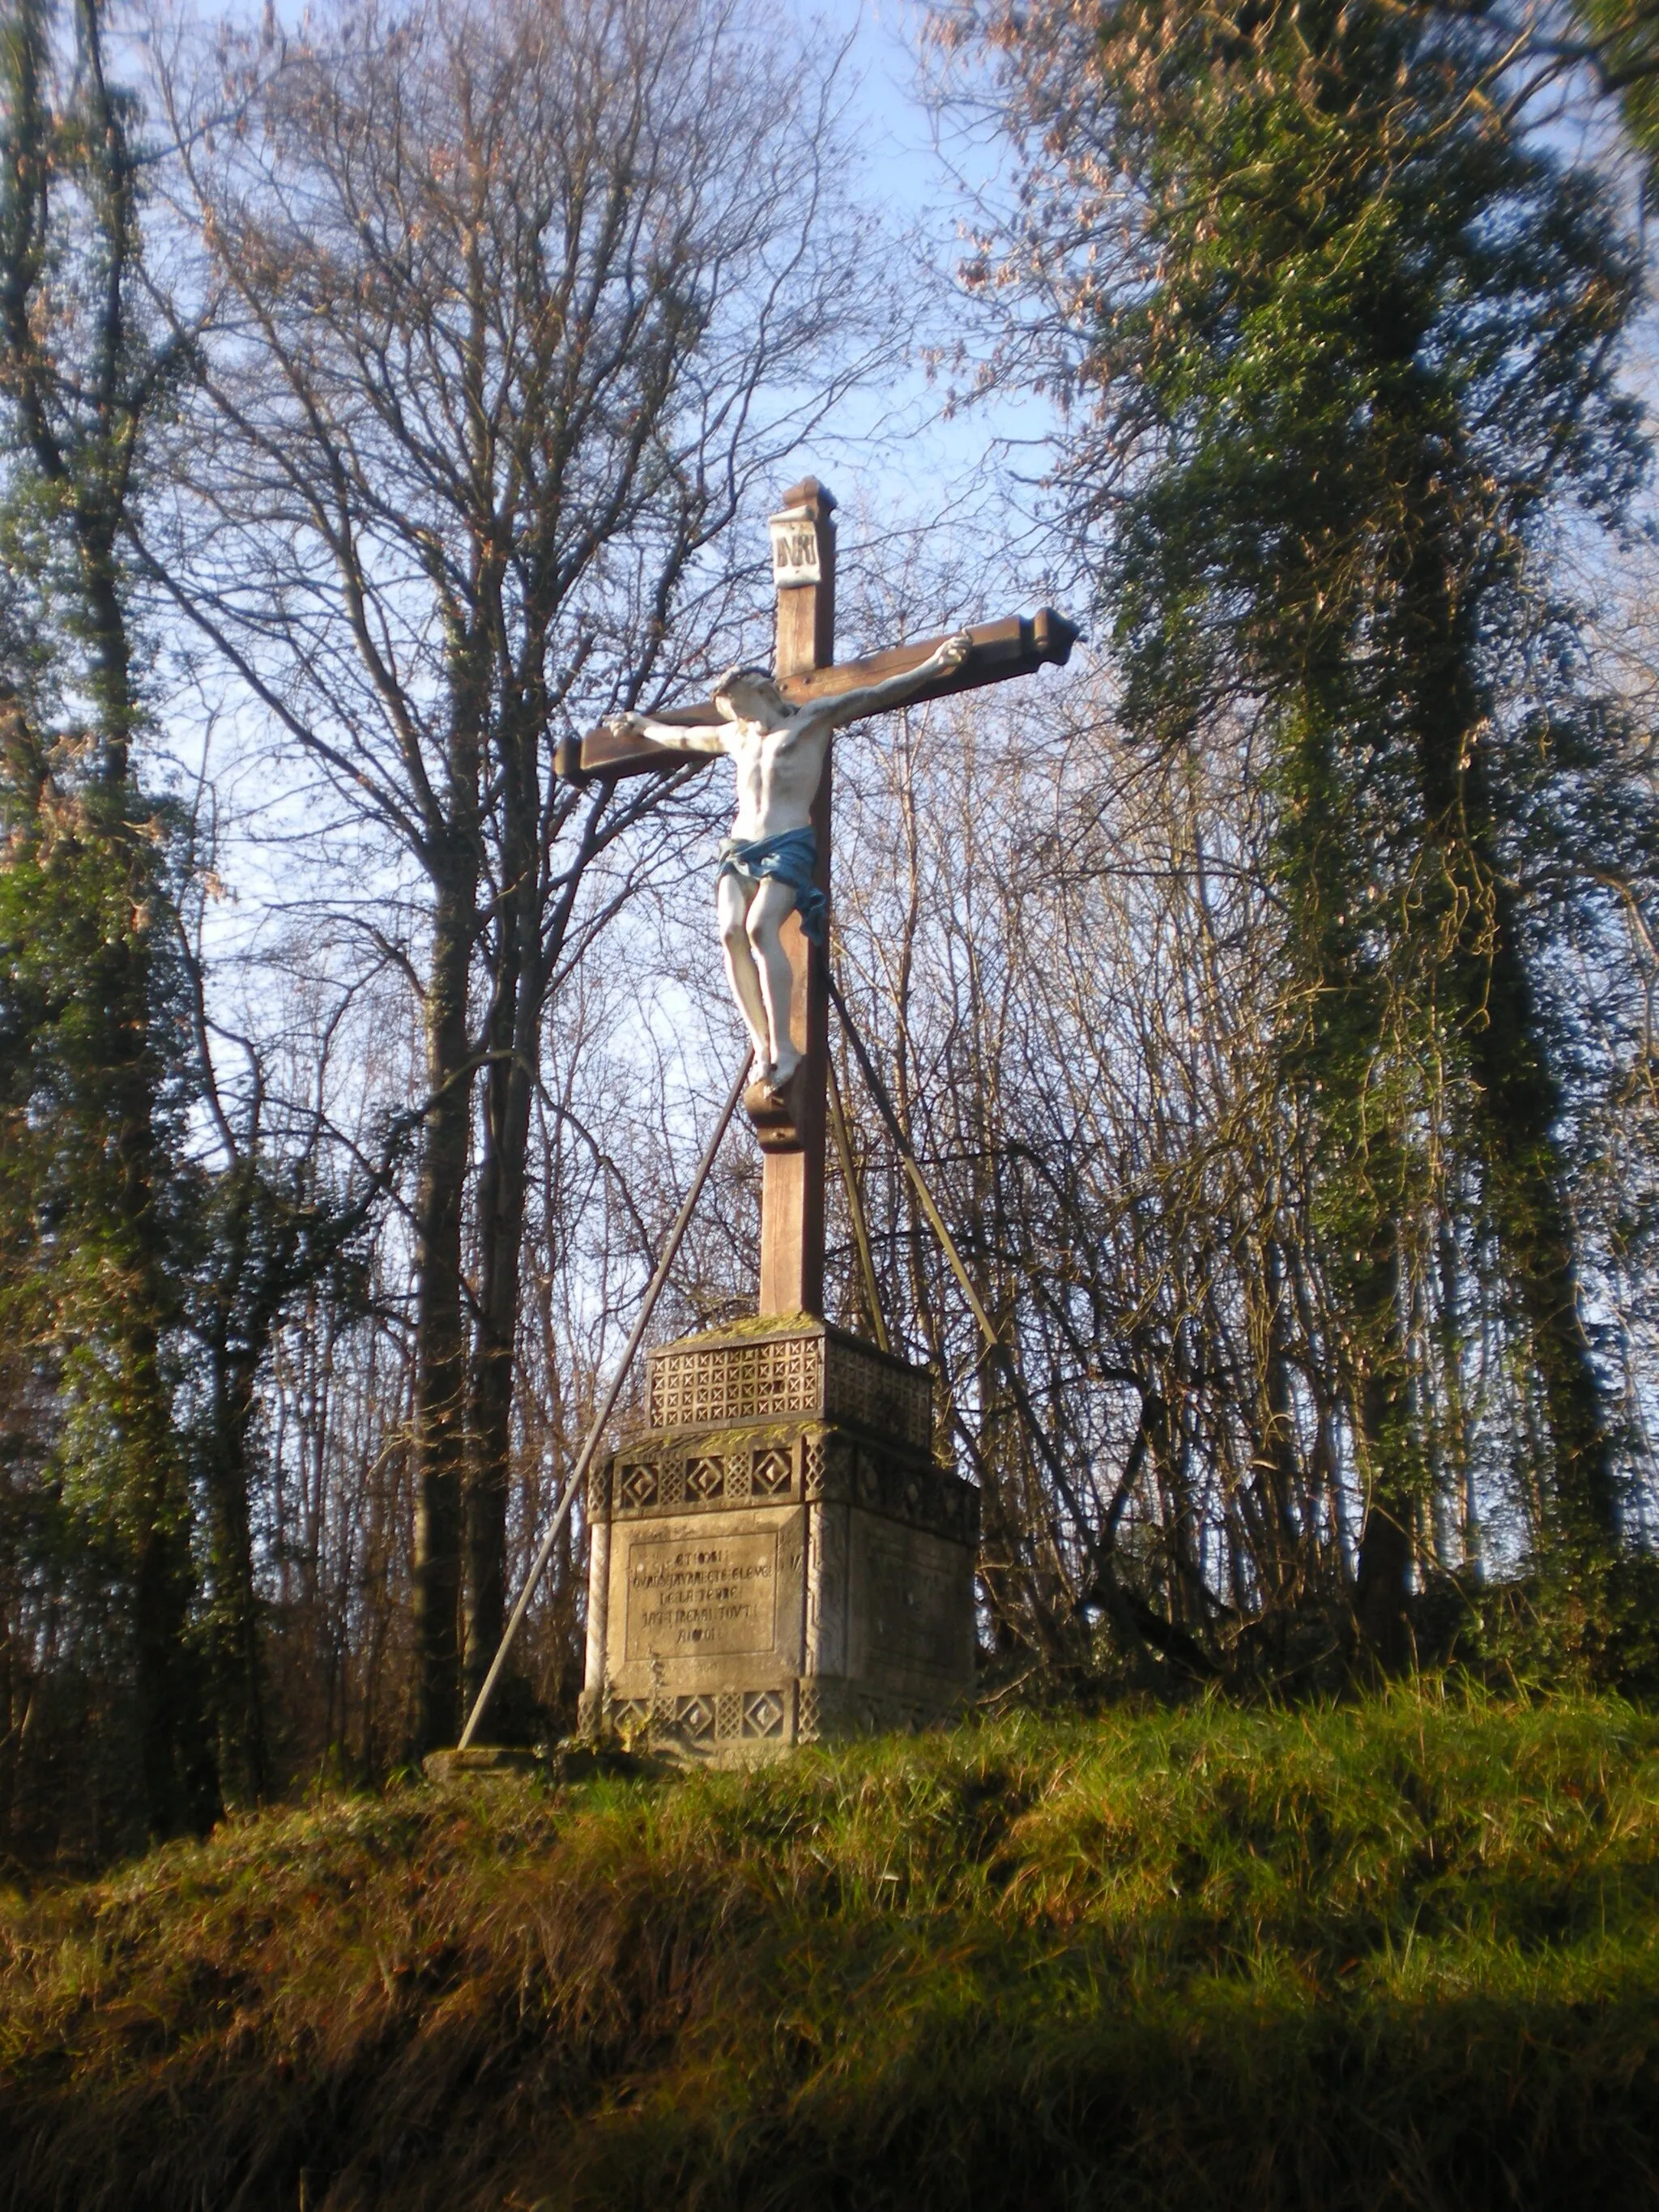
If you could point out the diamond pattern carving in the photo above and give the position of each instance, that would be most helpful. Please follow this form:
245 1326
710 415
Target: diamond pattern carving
722 1383
697 1718
763 1714
890 1401
824 1709
705 1478
770 1473
712 1385
813 1485
653 1478
637 1484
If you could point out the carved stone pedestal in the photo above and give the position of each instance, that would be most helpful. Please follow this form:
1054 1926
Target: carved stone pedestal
776 1557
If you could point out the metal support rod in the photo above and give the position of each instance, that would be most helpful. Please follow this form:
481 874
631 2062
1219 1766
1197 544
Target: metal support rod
936 1220
579 1473
849 1178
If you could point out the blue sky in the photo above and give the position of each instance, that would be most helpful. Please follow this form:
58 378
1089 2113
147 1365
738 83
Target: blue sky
900 451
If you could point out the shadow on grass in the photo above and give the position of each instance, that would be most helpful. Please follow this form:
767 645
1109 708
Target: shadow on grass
1225 2095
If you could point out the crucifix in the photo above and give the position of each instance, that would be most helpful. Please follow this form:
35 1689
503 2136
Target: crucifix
772 888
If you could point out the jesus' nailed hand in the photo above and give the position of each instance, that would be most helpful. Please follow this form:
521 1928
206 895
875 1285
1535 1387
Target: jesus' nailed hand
766 864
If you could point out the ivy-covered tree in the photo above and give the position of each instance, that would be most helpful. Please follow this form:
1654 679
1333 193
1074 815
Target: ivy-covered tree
1340 344
95 1025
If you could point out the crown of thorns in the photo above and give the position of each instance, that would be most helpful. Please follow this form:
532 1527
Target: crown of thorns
741 673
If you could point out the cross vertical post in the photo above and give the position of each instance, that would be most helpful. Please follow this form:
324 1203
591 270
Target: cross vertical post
791 1187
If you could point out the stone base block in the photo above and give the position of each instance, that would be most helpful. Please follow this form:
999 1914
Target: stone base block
801 1572
485 1762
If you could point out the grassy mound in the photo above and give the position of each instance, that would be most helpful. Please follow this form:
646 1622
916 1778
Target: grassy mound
1403 1954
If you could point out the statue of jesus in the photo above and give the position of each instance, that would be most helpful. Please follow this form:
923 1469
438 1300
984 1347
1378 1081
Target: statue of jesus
766 865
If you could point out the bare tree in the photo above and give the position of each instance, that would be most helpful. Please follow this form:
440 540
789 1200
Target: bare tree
513 307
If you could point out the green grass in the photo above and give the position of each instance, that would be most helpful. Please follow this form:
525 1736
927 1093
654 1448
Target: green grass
1404 1953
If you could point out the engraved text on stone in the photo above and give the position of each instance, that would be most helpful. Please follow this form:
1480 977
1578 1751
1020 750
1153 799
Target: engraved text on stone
701 1596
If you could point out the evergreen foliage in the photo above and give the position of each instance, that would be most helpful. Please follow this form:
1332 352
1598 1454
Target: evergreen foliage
1343 342
88 1297
1617 42
95 1074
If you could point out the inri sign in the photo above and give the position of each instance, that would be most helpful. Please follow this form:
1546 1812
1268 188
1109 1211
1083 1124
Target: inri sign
794 548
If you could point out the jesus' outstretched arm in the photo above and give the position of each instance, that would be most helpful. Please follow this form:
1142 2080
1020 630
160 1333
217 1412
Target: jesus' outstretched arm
694 738
893 691
686 737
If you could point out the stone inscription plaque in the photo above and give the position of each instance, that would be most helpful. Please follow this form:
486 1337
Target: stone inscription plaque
700 1597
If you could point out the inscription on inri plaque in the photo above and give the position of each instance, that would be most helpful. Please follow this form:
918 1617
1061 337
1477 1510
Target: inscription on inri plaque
701 1596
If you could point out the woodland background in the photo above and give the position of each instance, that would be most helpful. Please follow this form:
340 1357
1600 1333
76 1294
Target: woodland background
392 391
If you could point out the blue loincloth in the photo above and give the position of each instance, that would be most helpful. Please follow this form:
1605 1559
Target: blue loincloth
790 858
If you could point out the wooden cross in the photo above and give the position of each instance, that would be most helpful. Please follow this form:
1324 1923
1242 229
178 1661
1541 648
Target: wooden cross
804 576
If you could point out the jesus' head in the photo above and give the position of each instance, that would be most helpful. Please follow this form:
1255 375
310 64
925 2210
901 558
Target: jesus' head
749 695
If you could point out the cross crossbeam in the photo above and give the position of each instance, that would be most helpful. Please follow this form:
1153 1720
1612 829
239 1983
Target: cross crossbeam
1018 646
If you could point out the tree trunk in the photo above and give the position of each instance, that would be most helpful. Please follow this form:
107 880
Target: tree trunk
440 1336
1284 1546
1360 1172
512 1038
1520 1100
1520 1108
234 1610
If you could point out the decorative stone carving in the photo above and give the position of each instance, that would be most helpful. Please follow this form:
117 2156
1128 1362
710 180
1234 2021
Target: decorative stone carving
791 1462
721 1381
705 1479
